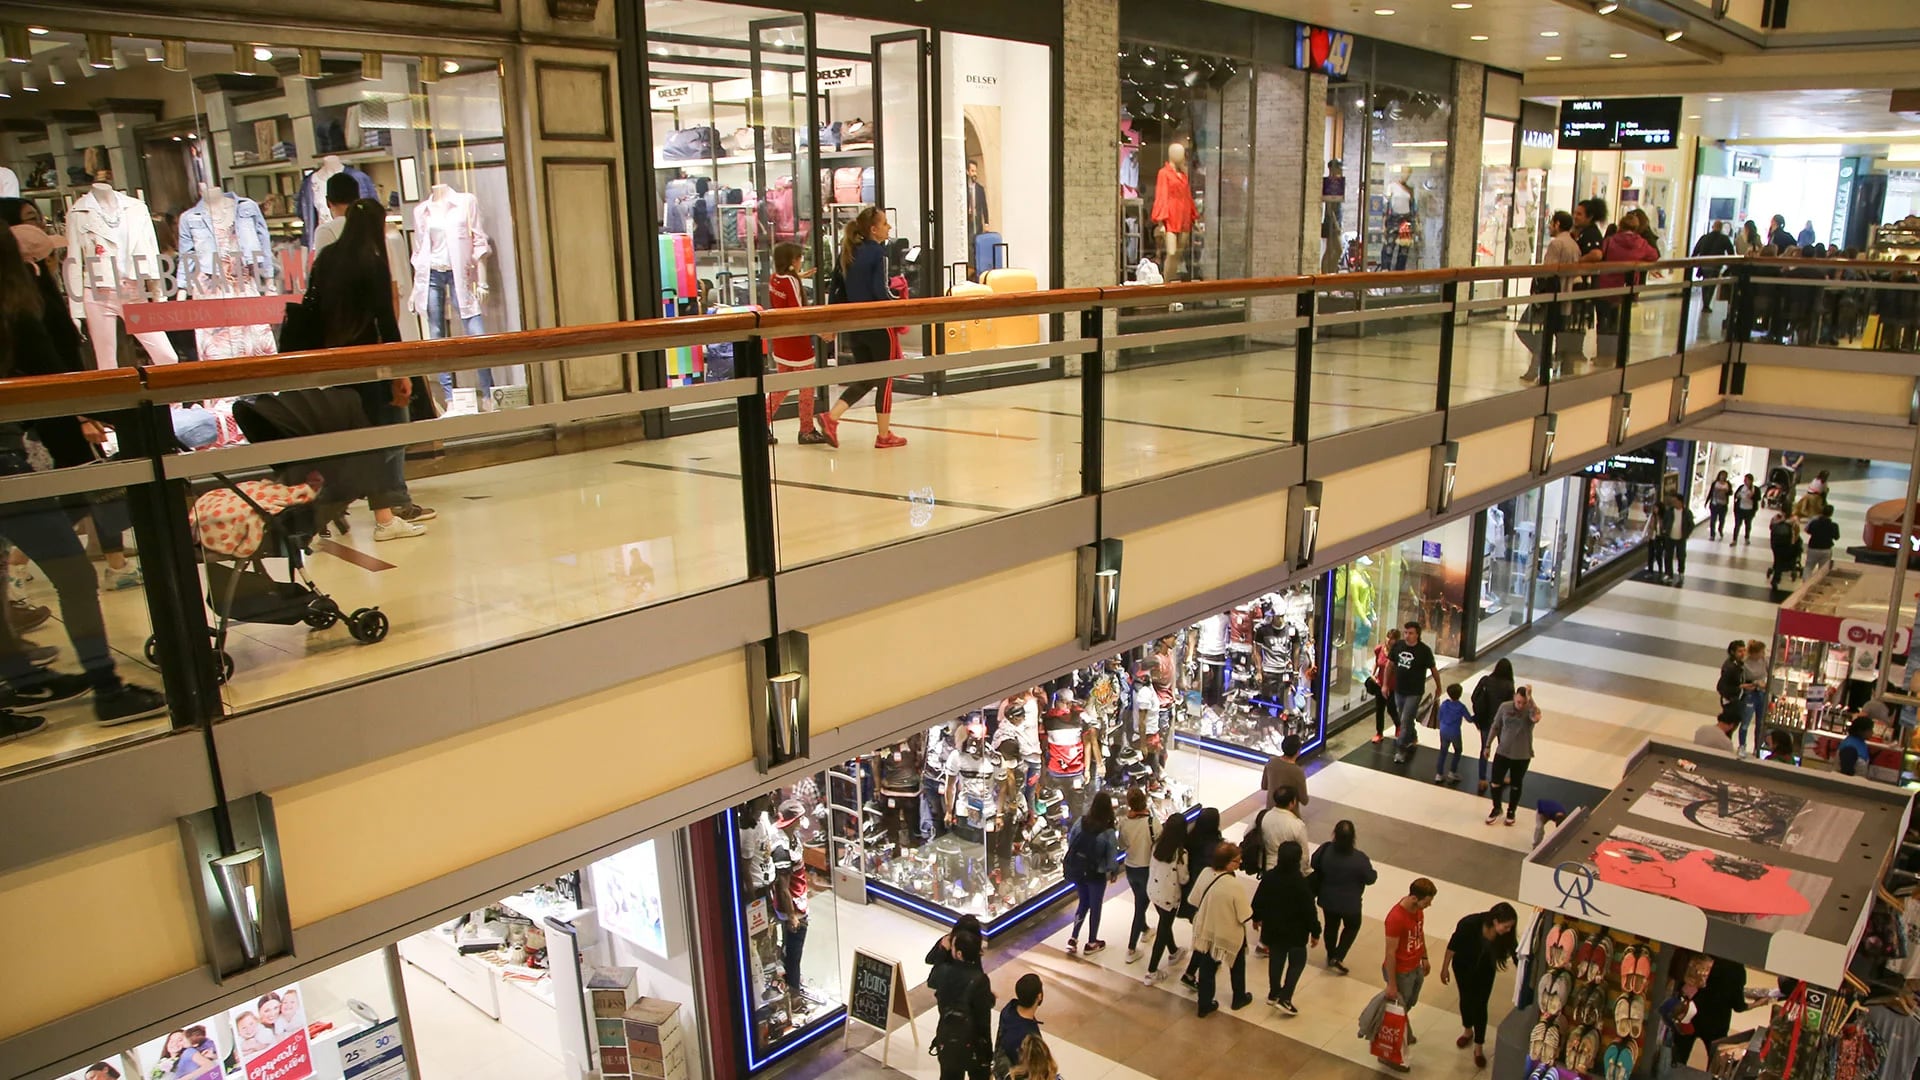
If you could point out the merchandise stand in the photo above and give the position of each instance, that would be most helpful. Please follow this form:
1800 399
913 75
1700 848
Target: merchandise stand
1825 648
1800 858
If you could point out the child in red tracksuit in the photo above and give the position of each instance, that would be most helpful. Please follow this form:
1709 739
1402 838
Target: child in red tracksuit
791 354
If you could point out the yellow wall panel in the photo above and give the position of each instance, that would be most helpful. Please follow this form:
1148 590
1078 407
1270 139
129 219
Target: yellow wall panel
1582 428
446 806
96 924
1703 392
1837 391
1491 458
866 663
1358 501
1159 566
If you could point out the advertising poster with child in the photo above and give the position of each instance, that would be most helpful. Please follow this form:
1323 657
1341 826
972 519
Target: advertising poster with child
194 1052
270 1036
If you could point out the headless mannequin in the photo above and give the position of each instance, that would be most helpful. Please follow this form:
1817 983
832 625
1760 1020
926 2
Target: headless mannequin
100 302
329 167
441 251
1174 231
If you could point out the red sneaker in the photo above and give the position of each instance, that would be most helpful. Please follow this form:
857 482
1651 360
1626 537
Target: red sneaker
888 441
830 427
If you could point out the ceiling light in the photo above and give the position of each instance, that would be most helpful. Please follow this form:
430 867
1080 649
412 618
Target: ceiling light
1479 37
1693 116
452 67
38 30
19 47
1462 6
100 50
1383 11
1616 56
1608 8
1675 35
54 76
1555 59
1549 33
192 136
261 52
153 55
1716 99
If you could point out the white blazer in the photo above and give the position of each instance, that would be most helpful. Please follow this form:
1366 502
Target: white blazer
106 250
467 245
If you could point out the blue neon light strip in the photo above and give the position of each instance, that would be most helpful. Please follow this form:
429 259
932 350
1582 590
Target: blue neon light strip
832 1021
947 916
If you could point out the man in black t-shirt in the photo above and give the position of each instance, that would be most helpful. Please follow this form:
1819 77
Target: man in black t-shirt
1588 216
1821 533
1413 664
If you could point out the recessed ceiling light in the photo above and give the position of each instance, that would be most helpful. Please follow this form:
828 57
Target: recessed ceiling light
1549 33
1616 56
1608 8
1716 99
451 67
1383 11
1461 6
1694 116
40 30
261 52
1551 59
1479 37
1675 35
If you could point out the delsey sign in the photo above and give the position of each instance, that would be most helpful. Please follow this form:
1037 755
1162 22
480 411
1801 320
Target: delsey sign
1620 124
834 78
667 95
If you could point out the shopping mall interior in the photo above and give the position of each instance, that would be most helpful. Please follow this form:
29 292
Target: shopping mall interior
579 676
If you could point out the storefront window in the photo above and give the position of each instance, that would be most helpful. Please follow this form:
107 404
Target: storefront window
1559 522
1186 160
784 845
1257 669
1512 545
1422 580
1498 216
225 173
1621 494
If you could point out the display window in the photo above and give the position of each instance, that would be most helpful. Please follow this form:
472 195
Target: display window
1185 149
1508 569
1655 183
1422 579
1257 675
1388 145
207 166
1498 213
1822 673
1621 494
782 845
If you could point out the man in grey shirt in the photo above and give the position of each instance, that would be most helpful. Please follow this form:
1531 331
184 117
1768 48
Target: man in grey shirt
1719 733
1285 771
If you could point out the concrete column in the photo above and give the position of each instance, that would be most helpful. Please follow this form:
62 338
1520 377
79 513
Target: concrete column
1282 160
1090 155
1314 154
1463 173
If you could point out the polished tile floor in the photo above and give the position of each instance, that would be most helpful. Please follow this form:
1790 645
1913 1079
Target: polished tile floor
521 548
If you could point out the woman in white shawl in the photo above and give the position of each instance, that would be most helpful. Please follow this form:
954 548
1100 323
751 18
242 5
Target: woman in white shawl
1221 911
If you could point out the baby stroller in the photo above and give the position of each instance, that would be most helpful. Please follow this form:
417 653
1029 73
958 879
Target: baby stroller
1779 494
241 525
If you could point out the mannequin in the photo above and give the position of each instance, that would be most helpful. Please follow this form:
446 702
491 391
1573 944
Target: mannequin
225 251
899 770
449 282
310 203
970 787
113 258
933 781
1173 209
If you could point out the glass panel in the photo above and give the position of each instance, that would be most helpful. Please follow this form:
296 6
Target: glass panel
788 912
900 72
1498 216
1375 371
1655 331
1559 518
1494 351
1255 668
1406 207
75 644
1621 493
412 554
1186 160
1512 545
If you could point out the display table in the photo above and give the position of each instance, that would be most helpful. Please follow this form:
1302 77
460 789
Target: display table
1826 643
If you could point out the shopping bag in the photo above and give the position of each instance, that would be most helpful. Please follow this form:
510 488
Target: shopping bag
1390 1038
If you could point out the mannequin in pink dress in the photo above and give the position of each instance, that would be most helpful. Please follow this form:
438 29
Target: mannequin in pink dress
1173 209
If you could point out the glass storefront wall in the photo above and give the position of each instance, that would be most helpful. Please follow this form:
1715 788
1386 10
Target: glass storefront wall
1655 182
1506 581
782 848
1186 162
1424 580
1498 214
1257 670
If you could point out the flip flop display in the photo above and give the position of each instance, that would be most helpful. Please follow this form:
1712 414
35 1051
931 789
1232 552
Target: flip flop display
1583 1048
1594 959
1560 945
1629 1015
1636 969
1589 1006
1619 1061
1544 1044
1555 986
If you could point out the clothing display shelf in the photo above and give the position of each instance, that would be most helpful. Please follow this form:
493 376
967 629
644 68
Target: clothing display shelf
1900 238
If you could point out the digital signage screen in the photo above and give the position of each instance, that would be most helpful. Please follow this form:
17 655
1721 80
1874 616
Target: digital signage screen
1620 123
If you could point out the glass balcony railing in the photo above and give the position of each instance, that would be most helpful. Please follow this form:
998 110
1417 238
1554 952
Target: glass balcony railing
331 527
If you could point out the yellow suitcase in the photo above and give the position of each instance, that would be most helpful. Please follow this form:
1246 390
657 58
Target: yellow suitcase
970 334
1014 329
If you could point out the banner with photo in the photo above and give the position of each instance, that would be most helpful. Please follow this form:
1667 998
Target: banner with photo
270 1036
195 1052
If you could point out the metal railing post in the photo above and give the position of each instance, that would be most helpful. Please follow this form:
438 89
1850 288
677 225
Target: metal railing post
756 464
1550 334
1093 401
1443 388
1303 367
1623 341
1686 317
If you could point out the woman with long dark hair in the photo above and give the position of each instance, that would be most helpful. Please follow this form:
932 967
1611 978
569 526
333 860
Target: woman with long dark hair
862 263
1344 872
1283 914
353 287
44 532
1482 944
1167 877
1089 864
1203 838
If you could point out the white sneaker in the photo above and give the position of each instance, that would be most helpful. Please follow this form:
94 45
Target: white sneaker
1154 978
127 577
1133 956
397 528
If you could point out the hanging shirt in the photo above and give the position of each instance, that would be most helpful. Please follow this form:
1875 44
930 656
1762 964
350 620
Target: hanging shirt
1213 636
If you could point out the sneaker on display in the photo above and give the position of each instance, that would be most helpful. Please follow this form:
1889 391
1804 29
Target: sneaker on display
127 704
397 528
15 725
126 577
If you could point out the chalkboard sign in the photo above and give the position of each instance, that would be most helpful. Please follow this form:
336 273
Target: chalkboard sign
876 995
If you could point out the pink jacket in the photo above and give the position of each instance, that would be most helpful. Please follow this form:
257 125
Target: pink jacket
1624 246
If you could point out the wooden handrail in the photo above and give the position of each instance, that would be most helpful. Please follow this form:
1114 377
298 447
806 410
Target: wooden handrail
557 343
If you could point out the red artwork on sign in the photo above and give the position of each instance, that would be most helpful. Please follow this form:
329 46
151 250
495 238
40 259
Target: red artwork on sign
1703 878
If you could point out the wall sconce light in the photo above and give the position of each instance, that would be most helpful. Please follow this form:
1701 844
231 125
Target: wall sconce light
1622 417
54 76
309 63
373 65
154 55
1682 387
27 83
238 885
173 54
429 69
1303 523
18 44
1098 593
1445 470
100 50
5 92
1545 429
243 59
777 699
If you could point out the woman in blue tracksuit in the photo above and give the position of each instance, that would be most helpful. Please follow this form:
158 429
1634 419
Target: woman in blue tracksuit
863 266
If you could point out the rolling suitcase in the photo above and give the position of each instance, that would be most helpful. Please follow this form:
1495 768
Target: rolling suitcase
1013 329
969 334
989 253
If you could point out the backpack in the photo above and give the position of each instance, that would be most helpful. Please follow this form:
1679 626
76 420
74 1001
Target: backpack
1078 866
1483 703
1253 847
953 1031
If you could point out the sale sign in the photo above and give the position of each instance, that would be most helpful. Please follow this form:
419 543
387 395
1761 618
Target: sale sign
270 1035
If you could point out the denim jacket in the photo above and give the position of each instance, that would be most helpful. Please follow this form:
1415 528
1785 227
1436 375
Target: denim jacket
197 247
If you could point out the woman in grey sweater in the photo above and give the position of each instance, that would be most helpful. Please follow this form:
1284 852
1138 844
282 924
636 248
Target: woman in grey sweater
1342 873
1512 738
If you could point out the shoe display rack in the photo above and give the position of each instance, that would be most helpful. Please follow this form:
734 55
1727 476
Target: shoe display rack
1592 1004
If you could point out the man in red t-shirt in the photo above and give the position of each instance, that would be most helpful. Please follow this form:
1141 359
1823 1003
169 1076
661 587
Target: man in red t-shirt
1406 966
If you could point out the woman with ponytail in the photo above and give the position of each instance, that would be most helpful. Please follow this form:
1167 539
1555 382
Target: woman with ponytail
862 266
